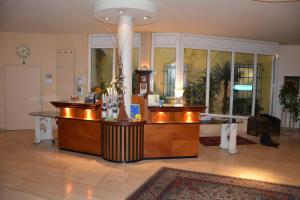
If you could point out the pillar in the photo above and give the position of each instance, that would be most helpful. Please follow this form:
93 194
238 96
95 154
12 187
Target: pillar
125 41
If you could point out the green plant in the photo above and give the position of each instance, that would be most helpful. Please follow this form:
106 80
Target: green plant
165 99
193 93
288 98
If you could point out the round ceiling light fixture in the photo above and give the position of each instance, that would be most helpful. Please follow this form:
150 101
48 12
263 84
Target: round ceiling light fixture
137 9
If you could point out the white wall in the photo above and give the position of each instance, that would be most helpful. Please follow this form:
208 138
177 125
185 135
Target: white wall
43 54
288 65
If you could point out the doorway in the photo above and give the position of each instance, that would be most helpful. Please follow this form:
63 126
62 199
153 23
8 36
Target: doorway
22 96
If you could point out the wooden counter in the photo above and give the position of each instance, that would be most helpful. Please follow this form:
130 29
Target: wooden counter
79 127
164 132
170 131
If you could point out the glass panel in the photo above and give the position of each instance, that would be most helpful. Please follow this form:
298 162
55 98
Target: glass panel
101 66
164 71
220 72
243 82
195 72
135 58
263 83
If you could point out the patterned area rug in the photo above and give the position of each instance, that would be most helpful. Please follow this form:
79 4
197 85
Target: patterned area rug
174 184
215 141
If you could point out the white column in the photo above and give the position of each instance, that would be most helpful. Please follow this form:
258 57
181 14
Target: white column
125 37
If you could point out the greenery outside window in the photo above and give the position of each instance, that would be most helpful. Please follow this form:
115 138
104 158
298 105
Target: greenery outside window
194 75
220 82
101 66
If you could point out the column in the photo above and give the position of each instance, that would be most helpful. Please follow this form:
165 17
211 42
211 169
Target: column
125 41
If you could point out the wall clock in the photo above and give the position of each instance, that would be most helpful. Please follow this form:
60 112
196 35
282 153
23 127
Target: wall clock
23 51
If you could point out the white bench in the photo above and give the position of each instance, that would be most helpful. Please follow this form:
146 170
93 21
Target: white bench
43 125
228 132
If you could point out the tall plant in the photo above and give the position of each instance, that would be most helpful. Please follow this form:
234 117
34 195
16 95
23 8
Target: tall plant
220 77
288 98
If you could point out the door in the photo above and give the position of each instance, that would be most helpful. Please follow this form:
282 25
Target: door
23 95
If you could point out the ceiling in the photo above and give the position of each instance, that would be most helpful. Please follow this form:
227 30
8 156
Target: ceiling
248 19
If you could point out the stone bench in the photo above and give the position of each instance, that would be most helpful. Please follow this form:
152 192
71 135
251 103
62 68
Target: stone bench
228 132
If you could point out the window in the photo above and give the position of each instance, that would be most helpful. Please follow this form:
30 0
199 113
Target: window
164 71
220 82
102 57
243 84
263 83
195 62
135 58
101 66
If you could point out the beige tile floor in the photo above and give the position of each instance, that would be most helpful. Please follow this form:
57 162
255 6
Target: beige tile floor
42 171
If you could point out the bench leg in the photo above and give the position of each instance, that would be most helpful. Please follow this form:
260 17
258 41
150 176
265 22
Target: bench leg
224 136
37 138
43 129
232 139
47 132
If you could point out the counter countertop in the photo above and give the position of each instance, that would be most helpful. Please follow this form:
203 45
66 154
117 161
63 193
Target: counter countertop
71 104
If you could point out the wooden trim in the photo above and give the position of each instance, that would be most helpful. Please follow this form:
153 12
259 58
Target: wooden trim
123 123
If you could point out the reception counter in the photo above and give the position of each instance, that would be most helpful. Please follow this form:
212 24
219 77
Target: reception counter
79 127
163 132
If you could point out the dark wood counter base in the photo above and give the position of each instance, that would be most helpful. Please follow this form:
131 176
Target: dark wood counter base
123 141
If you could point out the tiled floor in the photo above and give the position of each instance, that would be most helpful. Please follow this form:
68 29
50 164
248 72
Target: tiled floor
41 171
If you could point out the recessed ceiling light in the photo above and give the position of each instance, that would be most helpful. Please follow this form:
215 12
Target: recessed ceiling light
121 11
106 18
146 17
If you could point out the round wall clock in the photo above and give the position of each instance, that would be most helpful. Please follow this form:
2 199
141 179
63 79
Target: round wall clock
23 51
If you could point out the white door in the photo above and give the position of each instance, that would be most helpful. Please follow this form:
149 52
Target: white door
23 93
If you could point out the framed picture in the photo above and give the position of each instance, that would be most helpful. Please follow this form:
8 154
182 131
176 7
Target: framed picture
153 100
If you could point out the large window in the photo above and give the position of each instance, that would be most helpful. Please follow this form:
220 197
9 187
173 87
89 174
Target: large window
220 82
230 76
164 71
243 84
194 73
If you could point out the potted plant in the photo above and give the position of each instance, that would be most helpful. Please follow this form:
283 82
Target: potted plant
288 98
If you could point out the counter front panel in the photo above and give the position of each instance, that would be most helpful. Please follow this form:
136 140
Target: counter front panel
171 140
79 135
79 127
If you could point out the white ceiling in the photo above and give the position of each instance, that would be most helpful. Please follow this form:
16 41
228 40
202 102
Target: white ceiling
277 22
